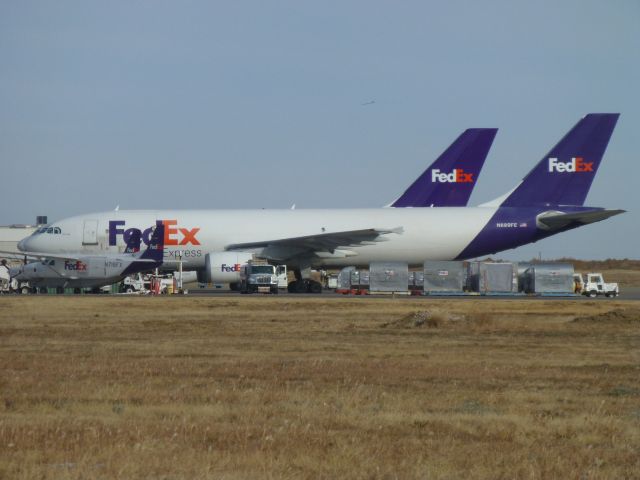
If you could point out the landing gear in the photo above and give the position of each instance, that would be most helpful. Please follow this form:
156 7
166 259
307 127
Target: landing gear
303 285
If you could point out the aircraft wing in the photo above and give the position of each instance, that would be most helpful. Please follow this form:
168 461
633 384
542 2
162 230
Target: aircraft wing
558 220
39 255
57 256
322 242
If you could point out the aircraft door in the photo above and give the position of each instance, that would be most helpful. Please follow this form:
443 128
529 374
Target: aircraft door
90 232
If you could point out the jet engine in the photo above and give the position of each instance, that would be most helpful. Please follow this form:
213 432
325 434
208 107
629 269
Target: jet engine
223 267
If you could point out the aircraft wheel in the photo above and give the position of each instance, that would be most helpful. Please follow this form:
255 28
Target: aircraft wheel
315 287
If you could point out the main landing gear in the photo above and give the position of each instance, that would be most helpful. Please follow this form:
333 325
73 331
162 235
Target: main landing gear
303 285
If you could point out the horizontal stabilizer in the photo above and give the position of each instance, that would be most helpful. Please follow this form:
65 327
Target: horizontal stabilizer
559 220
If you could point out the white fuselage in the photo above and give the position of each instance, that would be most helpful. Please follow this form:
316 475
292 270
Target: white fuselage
425 233
90 271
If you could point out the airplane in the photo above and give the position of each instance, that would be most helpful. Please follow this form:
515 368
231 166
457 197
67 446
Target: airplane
449 181
84 270
548 201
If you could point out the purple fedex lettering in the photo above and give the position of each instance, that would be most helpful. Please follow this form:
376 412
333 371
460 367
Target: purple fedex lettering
114 231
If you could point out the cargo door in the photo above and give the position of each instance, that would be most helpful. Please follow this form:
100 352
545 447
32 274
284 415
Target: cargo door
97 267
90 232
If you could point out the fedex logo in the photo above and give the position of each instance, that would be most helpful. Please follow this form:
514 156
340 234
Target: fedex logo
230 268
173 235
457 176
576 164
76 266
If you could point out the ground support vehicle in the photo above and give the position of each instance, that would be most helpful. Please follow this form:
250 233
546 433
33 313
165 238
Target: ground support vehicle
258 278
593 284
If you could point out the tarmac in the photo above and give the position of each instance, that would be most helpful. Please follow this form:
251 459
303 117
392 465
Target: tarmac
628 293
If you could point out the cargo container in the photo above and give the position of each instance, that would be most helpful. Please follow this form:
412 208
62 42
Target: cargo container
360 280
344 280
389 277
493 277
444 276
549 278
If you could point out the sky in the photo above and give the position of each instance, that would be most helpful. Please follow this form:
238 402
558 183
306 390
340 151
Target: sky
247 104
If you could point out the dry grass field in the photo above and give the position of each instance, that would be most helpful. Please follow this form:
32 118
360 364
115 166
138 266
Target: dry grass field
267 387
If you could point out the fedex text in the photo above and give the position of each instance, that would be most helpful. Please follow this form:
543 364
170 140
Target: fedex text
576 164
173 234
458 175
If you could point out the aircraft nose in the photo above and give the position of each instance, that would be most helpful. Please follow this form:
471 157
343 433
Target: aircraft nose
22 245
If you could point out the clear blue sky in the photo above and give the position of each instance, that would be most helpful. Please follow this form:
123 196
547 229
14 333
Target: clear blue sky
202 104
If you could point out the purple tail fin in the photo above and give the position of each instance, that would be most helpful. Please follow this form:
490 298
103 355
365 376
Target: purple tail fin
449 181
564 175
133 244
155 251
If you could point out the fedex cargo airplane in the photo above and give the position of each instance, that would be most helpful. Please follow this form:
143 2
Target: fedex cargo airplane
549 200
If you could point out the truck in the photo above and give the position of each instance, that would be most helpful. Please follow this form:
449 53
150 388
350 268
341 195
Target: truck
258 277
593 284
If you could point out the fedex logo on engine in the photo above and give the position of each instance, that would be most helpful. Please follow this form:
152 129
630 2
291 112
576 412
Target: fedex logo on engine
173 235
457 176
230 268
576 164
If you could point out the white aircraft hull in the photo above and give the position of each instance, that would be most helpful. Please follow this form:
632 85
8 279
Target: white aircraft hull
425 233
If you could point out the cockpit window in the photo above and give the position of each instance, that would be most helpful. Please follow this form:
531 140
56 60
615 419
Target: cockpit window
50 230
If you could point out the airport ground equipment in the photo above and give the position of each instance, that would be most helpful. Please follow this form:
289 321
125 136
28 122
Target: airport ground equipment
258 277
134 284
490 278
283 276
416 283
593 285
343 281
360 282
389 277
548 279
444 277
332 282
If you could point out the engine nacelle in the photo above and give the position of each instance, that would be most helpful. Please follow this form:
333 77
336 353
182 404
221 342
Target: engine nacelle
223 267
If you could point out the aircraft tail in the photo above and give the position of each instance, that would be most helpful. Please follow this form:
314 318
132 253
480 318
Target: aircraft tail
155 251
133 243
449 181
565 174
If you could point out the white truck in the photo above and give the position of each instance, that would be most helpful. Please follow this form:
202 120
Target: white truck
258 278
593 284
